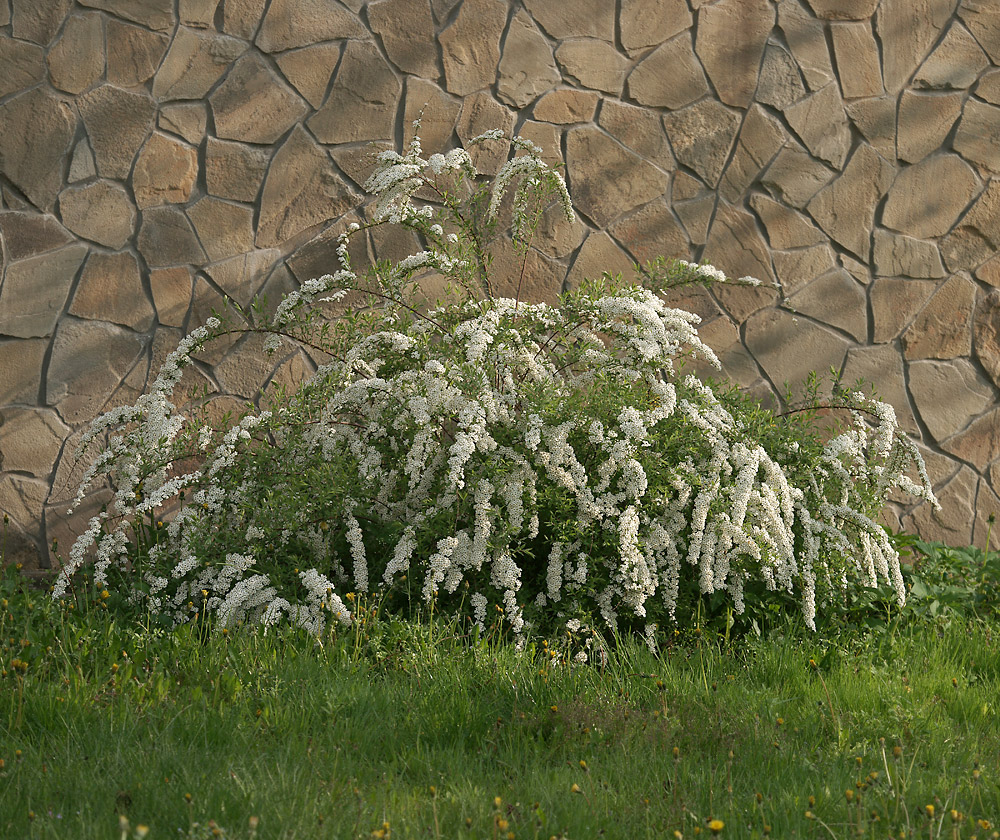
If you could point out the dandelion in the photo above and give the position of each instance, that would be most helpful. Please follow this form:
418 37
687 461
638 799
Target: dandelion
715 826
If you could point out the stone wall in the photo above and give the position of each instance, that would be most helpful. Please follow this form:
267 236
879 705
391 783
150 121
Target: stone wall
157 156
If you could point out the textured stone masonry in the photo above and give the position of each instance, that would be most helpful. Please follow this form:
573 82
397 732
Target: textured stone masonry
158 158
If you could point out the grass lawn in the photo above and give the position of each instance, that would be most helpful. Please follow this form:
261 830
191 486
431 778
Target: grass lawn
414 729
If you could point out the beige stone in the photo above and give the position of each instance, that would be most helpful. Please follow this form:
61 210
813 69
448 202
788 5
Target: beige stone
977 138
987 505
844 9
319 255
858 270
845 209
785 227
736 247
246 368
566 106
359 162
590 154
730 43
953 523
780 83
593 64
118 123
21 360
798 268
686 186
651 232
362 102
439 112
857 59
36 130
556 236
639 129
89 361
407 31
242 17
224 229
648 23
986 334
299 23
988 86
881 369
821 123
81 167
76 60
979 442
4 12
442 8
155 14
171 289
253 104
983 20
835 299
942 330
924 122
167 238
470 46
34 292
895 301
480 113
110 289
39 22
198 13
701 136
955 63
234 170
894 255
134 53
761 136
806 38
989 272
195 61
583 19
794 177
541 280
23 498
240 276
527 68
948 394
598 254
926 199
309 69
696 216
876 120
22 65
905 47
789 348
977 236
670 76
301 191
29 234
100 211
185 119
165 172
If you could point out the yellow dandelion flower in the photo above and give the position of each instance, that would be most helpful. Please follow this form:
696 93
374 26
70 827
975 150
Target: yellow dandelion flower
575 788
930 810
715 826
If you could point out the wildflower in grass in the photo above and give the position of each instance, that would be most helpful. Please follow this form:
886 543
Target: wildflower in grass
715 826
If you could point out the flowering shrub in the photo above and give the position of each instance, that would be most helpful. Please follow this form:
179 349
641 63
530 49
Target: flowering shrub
548 464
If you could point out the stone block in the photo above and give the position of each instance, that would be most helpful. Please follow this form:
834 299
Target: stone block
927 198
21 359
62 529
555 236
785 227
253 105
566 106
955 63
881 368
723 336
845 209
224 229
29 234
38 22
34 291
480 113
876 120
638 129
796 269
895 255
983 20
100 211
118 123
736 248
362 101
730 43
986 334
977 236
894 302
943 329
844 9
302 190
988 86
948 394
670 76
195 61
358 162
979 443
989 272
701 136
439 112
185 119
241 276
761 136
23 498
589 155
110 289
806 38
584 19
165 172
470 46
651 232
794 176
172 290
541 281
36 132
234 170
905 47
167 238
780 83
837 300
242 17
82 167
299 23
407 32
598 254
821 123
22 65
987 504
924 122
857 59
309 69
527 68
649 23
76 60
696 215
593 64
977 138
154 14
953 523
198 13
319 255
